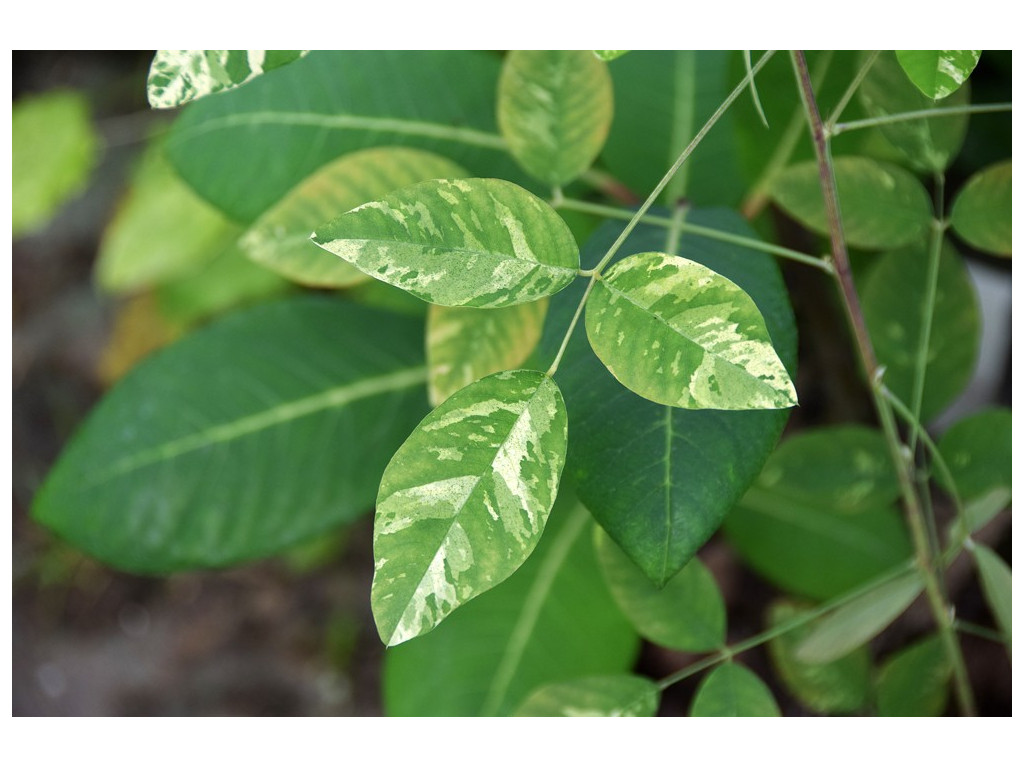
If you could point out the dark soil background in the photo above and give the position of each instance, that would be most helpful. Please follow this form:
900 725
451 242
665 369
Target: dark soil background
294 636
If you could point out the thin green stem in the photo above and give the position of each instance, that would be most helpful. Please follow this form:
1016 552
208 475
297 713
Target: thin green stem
851 89
753 91
985 633
918 114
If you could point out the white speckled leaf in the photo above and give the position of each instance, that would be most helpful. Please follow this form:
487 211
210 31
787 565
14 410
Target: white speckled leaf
606 696
938 73
465 343
471 242
177 77
465 499
279 239
678 333
554 110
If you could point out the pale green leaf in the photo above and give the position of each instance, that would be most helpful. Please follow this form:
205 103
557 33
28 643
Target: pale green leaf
982 509
882 205
608 696
177 77
914 682
995 583
687 614
554 110
240 440
53 149
977 450
471 242
680 334
465 343
982 212
465 499
279 239
859 620
609 55
839 686
551 621
938 73
732 690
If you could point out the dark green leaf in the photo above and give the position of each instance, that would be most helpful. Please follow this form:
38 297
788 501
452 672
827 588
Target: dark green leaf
256 433
608 696
732 690
995 583
914 682
177 77
977 450
982 213
938 73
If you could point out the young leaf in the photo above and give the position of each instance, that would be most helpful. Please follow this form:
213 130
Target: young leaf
981 212
279 239
53 149
859 620
465 499
839 686
178 77
608 696
732 690
883 206
977 450
915 681
465 344
695 338
687 614
892 296
938 73
554 110
240 440
471 242
540 626
995 583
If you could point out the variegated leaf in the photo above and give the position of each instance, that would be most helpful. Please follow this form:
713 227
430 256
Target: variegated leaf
607 696
938 73
465 499
472 242
678 333
465 343
280 237
177 77
554 110
732 690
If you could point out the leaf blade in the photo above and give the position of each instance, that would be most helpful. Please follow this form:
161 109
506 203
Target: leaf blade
996 583
732 690
982 212
178 77
915 681
607 696
937 74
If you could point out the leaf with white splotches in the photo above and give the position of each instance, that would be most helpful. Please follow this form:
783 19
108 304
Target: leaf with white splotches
607 696
996 584
732 690
554 110
678 333
279 239
464 500
465 343
938 73
914 682
177 77
982 213
470 242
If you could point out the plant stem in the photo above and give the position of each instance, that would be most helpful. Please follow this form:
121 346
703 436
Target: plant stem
899 117
901 457
852 89
978 631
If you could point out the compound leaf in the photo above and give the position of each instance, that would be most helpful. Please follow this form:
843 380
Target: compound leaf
178 77
938 73
468 242
607 696
732 690
914 682
465 499
982 213
995 583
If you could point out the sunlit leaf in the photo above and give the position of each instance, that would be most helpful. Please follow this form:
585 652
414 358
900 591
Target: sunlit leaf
977 450
609 55
938 73
608 696
177 77
981 212
279 239
914 682
995 583
464 501
472 242
732 690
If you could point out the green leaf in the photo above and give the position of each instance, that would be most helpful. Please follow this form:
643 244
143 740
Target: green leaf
929 144
977 450
241 440
980 511
161 230
892 296
938 73
607 696
859 620
177 77
609 55
882 205
554 110
464 501
280 241
465 344
53 149
687 614
659 479
732 690
244 150
982 213
462 242
995 583
915 681
540 626
840 686
695 338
